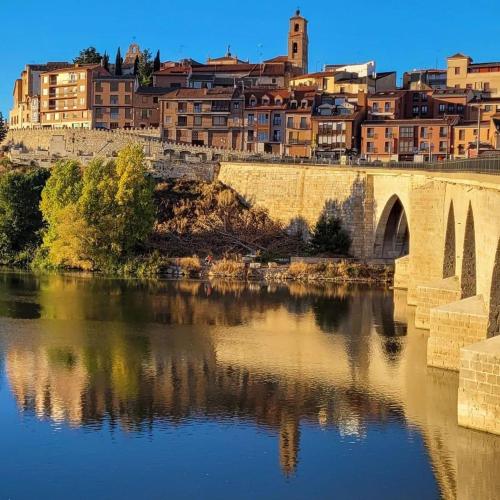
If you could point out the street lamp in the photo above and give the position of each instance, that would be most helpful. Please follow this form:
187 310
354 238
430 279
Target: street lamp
430 144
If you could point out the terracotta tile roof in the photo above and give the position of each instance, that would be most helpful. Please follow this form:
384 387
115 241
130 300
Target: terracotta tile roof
189 93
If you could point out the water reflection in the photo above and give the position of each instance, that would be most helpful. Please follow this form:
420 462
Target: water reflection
91 353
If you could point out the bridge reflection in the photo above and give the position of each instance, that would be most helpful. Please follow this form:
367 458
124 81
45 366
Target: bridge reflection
137 356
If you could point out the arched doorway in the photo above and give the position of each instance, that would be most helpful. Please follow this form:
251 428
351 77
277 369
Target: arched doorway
449 262
392 238
468 278
494 319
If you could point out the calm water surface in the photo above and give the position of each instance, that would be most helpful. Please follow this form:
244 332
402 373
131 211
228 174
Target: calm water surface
115 389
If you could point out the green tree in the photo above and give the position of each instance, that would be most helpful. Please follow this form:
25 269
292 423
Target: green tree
98 223
118 63
157 62
3 128
20 217
145 68
88 56
329 237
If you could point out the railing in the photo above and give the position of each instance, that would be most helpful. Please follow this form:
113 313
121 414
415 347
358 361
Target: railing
476 165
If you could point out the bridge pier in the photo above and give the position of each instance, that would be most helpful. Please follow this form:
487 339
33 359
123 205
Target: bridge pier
479 386
435 294
453 326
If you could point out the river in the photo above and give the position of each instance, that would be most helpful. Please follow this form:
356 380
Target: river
129 389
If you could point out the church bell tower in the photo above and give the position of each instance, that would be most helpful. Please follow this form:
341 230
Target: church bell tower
298 43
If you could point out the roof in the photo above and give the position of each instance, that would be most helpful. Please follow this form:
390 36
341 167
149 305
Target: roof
451 91
74 67
189 93
387 94
110 76
319 74
153 90
485 65
383 74
459 55
277 59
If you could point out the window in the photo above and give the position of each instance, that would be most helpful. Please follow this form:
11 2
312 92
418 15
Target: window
375 107
113 100
278 101
296 27
128 113
295 48
182 121
387 146
128 99
181 107
114 113
461 135
113 87
487 108
98 99
442 108
424 109
219 106
424 132
370 147
262 136
82 88
388 132
197 107
443 131
277 120
460 109
98 87
155 100
219 121
457 71
415 110
253 101
289 122
250 136
443 146
370 132
387 107
45 79
303 122
251 119
168 120
128 86
486 86
265 101
236 105
197 120
98 112
451 108
277 135
406 132
263 118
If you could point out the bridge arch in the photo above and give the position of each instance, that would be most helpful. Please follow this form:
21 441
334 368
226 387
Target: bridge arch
468 276
449 262
392 236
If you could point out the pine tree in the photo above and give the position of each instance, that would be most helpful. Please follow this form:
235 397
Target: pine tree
88 56
105 61
329 237
157 62
118 63
3 128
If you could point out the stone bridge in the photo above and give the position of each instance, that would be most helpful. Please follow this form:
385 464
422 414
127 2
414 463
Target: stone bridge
443 232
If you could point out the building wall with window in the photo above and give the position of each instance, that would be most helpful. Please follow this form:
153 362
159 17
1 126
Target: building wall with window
113 101
147 106
465 138
205 117
462 72
264 121
408 140
66 96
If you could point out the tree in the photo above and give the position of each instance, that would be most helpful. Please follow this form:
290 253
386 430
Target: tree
118 63
157 62
88 56
3 128
20 217
136 65
145 68
98 223
105 61
329 237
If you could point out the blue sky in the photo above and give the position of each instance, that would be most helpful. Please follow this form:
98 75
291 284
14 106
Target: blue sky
398 35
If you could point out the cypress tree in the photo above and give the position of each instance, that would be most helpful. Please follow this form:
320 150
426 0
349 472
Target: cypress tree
157 63
118 63
136 65
105 61
3 128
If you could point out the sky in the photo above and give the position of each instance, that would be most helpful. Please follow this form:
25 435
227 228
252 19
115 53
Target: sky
397 35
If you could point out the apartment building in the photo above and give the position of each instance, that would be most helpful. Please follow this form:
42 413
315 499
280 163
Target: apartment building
264 120
298 131
425 79
209 117
112 101
25 112
66 96
463 73
465 135
147 106
336 125
408 140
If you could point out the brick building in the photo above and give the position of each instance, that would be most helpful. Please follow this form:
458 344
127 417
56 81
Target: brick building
209 117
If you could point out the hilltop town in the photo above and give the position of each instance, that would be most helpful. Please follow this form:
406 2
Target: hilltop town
275 106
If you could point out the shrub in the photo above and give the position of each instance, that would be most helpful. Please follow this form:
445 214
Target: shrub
228 269
329 237
190 264
298 269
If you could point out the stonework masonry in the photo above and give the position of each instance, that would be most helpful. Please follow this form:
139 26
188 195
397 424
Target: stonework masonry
479 386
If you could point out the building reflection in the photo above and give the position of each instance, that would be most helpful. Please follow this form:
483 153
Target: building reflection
140 355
